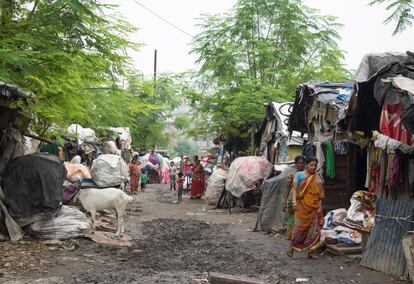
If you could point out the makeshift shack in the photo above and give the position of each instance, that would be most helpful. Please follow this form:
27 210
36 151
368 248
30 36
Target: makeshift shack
319 111
13 121
273 139
381 117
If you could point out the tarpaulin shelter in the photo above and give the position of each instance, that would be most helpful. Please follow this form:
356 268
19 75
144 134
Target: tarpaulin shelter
33 184
382 112
273 138
386 81
320 111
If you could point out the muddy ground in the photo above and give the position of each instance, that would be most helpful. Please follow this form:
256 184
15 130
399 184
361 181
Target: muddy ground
176 243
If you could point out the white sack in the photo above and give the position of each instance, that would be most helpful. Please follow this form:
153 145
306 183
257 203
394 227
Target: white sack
215 185
69 223
84 134
109 170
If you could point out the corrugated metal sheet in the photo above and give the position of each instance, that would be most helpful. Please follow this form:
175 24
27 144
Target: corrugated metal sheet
384 250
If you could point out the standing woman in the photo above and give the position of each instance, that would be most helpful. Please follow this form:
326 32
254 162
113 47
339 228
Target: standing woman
307 194
288 205
197 183
135 174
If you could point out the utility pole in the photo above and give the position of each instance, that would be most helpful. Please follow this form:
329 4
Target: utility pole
155 65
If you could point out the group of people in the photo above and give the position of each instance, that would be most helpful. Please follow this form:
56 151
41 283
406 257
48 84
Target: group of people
186 169
303 205
193 171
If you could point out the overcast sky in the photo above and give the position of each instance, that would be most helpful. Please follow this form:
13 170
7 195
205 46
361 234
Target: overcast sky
363 31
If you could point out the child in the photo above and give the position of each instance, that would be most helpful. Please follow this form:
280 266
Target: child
173 172
180 185
144 179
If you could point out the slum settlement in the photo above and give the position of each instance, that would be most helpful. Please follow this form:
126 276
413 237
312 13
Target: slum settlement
361 132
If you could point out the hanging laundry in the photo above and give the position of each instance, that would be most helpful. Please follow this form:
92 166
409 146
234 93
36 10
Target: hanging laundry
390 123
340 148
374 169
320 157
283 149
309 150
393 177
330 160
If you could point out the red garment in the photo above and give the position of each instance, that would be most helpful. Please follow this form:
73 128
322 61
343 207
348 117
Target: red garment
180 183
187 168
391 124
135 176
197 182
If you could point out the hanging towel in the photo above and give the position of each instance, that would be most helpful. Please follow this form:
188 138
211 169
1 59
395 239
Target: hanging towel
330 160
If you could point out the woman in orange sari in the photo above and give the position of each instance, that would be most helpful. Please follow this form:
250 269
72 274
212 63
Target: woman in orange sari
307 194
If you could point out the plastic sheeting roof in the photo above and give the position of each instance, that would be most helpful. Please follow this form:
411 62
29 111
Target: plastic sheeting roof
371 63
9 91
282 112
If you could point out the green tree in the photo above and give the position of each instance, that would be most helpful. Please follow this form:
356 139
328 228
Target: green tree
402 13
151 105
259 52
185 148
63 51
182 122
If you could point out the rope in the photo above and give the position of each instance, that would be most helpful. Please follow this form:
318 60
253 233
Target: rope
398 220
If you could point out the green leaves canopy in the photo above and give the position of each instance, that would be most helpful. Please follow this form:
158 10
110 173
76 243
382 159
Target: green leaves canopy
258 53
402 13
62 50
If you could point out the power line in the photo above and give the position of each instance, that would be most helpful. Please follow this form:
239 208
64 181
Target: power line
165 20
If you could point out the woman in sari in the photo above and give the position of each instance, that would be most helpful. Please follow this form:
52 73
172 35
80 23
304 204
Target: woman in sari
288 205
135 174
197 183
307 194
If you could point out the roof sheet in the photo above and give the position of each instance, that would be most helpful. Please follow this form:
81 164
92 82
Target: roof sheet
9 91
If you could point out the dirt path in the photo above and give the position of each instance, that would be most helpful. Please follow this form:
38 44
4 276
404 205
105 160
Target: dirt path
175 243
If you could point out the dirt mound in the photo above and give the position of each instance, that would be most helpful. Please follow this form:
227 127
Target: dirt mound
175 244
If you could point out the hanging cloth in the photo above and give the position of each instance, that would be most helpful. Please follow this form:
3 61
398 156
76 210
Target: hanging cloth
330 160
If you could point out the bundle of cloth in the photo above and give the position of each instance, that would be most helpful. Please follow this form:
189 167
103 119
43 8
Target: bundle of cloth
344 226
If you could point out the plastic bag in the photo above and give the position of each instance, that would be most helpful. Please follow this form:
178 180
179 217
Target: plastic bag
70 222
215 185
76 172
109 170
84 134
109 147
13 229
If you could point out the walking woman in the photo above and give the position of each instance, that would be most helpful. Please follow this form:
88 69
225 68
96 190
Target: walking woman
288 205
134 174
307 194
197 183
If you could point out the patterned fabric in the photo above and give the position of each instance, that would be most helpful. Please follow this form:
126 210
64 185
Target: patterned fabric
197 183
308 214
290 211
134 175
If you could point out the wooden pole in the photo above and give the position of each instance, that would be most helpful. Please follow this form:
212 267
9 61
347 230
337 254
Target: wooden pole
38 138
155 65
